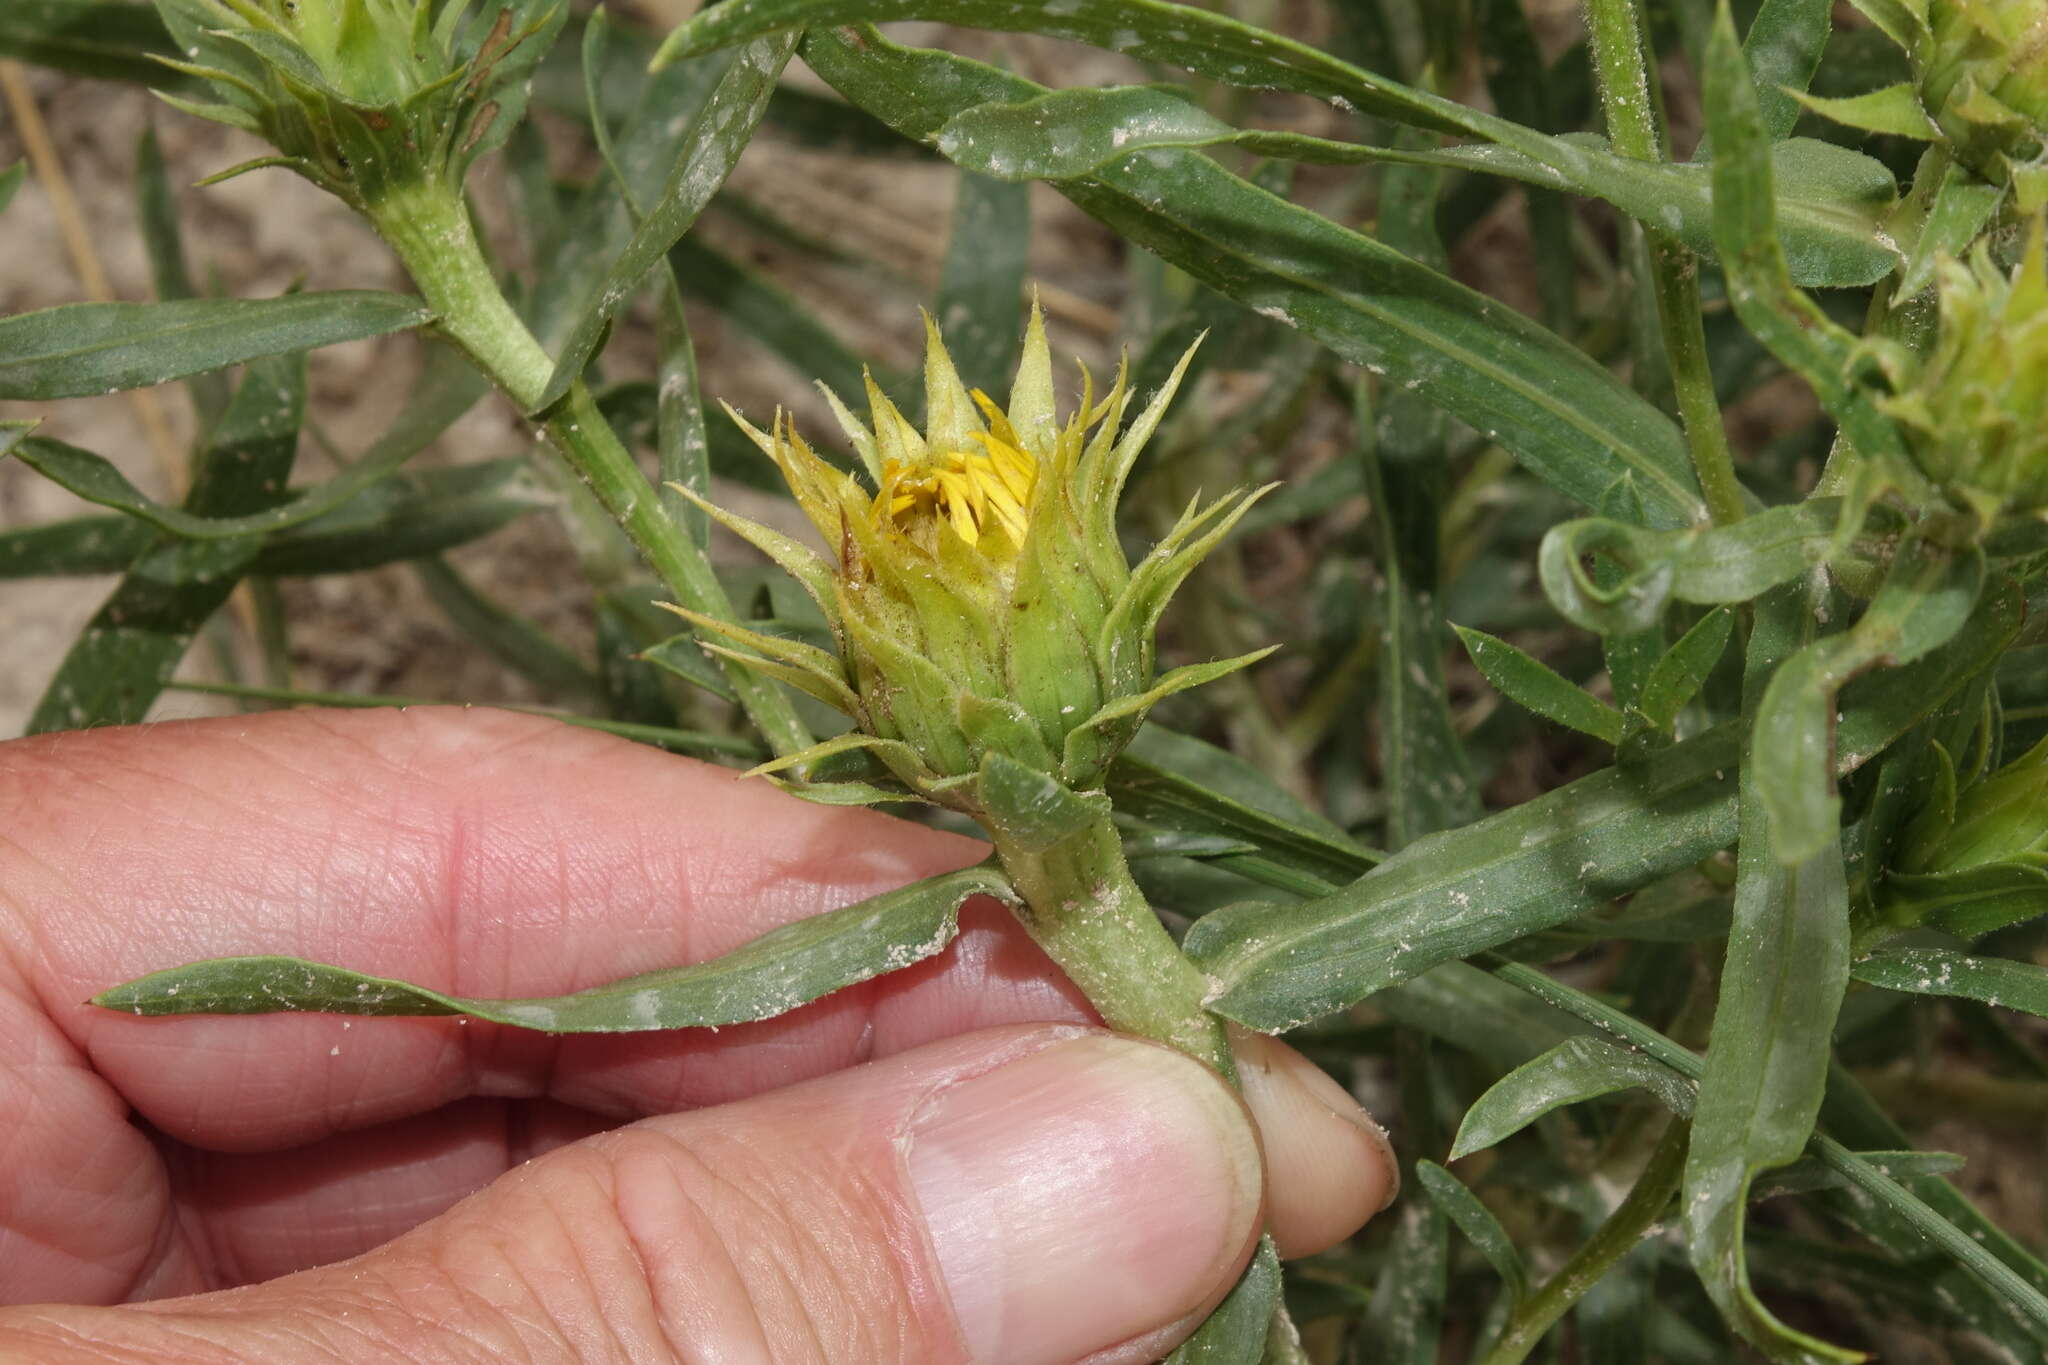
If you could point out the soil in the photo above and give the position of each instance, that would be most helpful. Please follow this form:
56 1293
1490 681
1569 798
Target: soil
258 234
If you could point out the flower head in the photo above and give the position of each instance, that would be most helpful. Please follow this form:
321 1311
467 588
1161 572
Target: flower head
1980 85
1975 411
979 595
365 97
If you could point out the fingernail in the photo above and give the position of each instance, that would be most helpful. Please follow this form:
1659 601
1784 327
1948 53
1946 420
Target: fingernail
1083 1195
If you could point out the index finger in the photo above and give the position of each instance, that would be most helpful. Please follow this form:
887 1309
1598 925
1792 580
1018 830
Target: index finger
478 852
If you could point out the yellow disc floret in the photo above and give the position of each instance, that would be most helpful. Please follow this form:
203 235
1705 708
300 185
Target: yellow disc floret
973 491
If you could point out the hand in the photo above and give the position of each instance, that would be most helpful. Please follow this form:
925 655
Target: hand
944 1164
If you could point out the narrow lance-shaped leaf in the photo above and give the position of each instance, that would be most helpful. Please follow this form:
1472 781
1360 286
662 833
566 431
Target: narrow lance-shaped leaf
1544 862
1402 441
1760 286
447 387
1574 1071
103 39
1534 684
1570 420
1944 971
1781 986
80 350
982 279
1828 210
1477 1222
1683 669
118 665
1925 599
1701 564
771 975
407 517
1783 46
79 545
719 133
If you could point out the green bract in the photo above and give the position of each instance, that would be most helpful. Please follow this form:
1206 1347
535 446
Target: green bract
365 97
1975 411
1980 85
981 601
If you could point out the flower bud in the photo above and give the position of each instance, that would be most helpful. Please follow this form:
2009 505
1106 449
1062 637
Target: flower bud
366 98
1975 410
979 595
1980 86
1983 77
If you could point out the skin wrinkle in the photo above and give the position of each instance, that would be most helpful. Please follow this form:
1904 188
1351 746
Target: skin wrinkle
402 1067
572 1324
675 1319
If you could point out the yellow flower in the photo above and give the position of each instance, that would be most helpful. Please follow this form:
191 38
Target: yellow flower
979 596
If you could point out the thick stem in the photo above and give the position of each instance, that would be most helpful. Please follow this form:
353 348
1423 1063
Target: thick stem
1082 907
429 228
1635 124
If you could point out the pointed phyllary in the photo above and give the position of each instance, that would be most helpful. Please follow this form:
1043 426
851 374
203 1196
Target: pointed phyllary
978 593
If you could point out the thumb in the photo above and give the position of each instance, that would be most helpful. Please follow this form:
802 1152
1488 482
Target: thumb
1029 1196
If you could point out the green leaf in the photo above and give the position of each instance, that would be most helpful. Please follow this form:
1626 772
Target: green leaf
1202 41
1576 1070
2006 1281
1425 772
1760 285
446 389
105 39
1571 421
79 350
712 145
1787 967
770 975
1972 902
120 662
1452 894
1533 684
1701 564
1478 1224
1783 46
407 516
1679 674
1829 222
163 241
10 181
1924 600
1235 1334
1155 781
1945 971
981 282
80 545
1546 861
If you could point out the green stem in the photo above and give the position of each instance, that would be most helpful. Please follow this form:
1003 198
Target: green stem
430 230
1082 907
1635 125
1620 1234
